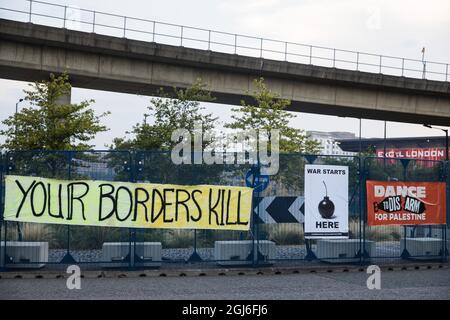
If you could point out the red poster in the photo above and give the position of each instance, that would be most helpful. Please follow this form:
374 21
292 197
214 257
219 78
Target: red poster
405 203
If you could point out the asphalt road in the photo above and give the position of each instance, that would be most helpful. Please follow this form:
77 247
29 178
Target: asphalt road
418 284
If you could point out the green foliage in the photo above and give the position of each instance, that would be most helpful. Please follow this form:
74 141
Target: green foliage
48 125
287 234
269 113
179 110
179 239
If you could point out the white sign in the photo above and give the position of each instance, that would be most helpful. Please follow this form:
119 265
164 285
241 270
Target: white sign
326 202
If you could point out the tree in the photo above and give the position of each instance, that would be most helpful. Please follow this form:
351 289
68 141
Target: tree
49 125
269 113
180 110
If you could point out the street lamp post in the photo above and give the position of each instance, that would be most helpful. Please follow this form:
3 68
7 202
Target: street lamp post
17 110
446 138
17 105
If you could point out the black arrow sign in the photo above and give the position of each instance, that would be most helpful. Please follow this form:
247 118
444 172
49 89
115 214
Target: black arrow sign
279 209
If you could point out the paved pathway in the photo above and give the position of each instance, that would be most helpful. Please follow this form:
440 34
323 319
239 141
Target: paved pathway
417 284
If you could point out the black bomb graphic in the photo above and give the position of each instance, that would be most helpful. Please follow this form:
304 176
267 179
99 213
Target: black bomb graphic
414 205
388 204
394 204
326 206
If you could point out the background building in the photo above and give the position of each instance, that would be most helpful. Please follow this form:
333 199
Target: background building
329 141
427 148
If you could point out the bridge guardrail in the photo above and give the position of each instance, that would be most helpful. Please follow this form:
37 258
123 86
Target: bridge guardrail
71 17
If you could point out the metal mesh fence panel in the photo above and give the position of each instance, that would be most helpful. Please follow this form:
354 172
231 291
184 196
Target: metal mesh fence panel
90 244
392 242
23 238
280 215
186 245
276 235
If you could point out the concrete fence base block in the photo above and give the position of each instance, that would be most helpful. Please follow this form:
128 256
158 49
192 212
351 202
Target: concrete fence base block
25 254
342 250
422 248
2 255
237 252
144 254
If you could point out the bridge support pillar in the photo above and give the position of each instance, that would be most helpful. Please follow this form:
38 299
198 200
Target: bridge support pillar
64 99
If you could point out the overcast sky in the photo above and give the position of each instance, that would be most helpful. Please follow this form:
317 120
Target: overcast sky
396 28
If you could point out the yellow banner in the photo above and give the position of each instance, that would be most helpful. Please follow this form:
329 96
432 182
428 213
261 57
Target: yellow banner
126 204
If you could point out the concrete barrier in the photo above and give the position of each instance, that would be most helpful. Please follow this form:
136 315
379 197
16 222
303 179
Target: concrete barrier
422 248
342 250
26 254
2 254
144 254
238 252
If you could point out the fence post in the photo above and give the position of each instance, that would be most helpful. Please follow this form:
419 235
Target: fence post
255 244
2 247
130 253
2 256
444 242
357 61
181 37
381 57
154 26
93 22
362 208
446 72
360 179
130 166
69 177
124 26
30 13
261 50
445 178
65 15
209 40
403 66
253 255
447 164
195 256
68 258
405 254
334 58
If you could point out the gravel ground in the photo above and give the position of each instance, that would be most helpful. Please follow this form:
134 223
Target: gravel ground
409 285
283 252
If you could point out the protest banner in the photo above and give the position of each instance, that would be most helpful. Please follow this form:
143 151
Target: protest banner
126 204
326 202
405 203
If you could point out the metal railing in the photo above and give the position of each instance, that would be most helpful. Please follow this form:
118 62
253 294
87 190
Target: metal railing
70 17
